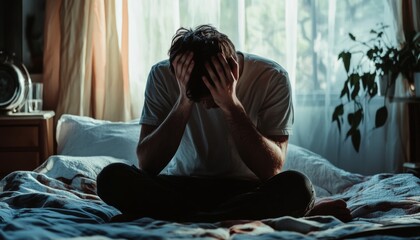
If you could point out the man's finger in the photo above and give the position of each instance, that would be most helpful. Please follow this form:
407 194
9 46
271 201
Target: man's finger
227 71
212 75
175 62
219 70
187 58
189 69
208 85
234 66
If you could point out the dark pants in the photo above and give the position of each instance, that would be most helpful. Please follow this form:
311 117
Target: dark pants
182 198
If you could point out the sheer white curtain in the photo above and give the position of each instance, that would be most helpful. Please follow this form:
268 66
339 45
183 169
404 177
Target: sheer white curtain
305 36
319 82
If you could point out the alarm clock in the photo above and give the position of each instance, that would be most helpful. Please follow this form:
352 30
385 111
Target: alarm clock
15 84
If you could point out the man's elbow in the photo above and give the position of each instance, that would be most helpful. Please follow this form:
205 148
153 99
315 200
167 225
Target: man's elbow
148 164
271 171
144 166
143 163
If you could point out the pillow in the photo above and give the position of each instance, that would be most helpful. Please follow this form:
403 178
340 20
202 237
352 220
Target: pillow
57 166
327 178
85 136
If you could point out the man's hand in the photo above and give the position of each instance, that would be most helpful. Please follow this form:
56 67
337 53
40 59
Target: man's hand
183 66
158 144
262 155
224 80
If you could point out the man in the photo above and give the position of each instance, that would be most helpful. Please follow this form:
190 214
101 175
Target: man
214 135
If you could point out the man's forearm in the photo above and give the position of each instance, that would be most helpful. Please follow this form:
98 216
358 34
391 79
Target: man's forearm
157 149
263 156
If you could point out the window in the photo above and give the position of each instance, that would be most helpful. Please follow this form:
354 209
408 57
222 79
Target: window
304 36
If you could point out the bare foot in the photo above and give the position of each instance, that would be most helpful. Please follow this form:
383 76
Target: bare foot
333 207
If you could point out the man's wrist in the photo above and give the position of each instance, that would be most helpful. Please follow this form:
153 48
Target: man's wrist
184 103
233 109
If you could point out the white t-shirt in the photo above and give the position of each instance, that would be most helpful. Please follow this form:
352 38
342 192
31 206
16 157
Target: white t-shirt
207 148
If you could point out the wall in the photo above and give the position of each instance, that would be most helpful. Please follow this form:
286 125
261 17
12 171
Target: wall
11 27
21 31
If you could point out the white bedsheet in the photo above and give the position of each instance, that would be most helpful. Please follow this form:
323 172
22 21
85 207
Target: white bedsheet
59 200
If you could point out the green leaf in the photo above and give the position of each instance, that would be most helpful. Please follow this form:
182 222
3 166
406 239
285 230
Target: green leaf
349 133
358 117
372 86
345 91
339 125
381 116
338 112
354 79
346 57
371 80
352 37
350 118
365 80
355 91
370 53
354 119
355 139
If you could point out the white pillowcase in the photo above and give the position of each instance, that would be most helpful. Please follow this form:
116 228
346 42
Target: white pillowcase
85 136
327 178
61 166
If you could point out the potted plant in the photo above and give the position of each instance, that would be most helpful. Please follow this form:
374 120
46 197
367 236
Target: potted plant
373 59
409 60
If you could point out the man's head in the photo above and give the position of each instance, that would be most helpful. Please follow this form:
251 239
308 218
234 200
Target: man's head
204 41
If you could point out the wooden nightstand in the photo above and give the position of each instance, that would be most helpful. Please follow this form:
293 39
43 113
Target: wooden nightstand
413 168
26 140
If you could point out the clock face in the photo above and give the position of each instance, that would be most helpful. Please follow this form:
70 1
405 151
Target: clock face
10 88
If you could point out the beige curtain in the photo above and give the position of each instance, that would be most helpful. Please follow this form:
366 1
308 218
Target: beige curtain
86 59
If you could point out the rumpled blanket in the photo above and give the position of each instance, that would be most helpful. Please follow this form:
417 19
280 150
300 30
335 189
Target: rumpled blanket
59 201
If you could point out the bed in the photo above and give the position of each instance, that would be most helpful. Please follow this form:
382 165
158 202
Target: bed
58 199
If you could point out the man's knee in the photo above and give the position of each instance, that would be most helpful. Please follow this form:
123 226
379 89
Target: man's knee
111 178
289 179
111 172
298 183
293 187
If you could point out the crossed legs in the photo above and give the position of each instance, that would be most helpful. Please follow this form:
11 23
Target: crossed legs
180 198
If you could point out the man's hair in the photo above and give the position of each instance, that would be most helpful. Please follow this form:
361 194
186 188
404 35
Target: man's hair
204 41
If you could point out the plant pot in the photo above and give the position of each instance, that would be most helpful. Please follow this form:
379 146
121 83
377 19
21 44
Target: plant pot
383 84
417 83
